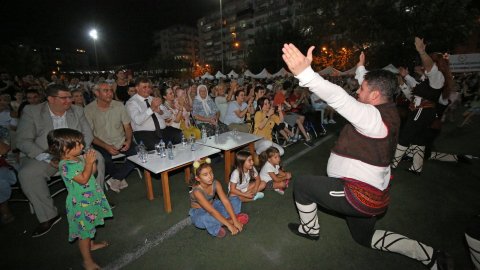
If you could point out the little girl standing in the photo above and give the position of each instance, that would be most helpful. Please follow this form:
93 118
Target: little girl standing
272 176
240 179
86 204
209 213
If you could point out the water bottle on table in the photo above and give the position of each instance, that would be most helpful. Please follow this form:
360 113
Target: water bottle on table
184 142
204 134
170 150
192 142
163 150
142 152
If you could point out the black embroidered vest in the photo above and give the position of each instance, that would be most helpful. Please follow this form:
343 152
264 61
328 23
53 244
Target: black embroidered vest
373 151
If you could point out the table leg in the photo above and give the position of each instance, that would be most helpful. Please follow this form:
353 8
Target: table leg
187 175
166 193
228 164
148 184
251 147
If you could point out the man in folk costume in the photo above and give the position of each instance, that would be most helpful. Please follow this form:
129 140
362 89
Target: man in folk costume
357 185
430 98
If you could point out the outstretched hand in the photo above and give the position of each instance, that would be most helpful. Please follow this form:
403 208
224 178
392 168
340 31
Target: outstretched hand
361 60
295 60
420 45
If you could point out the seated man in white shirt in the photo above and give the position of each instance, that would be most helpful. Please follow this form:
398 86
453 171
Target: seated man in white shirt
148 120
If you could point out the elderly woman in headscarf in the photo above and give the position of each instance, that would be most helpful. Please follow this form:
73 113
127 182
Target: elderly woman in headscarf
206 113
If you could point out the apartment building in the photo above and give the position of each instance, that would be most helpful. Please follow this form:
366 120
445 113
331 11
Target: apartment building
232 28
180 44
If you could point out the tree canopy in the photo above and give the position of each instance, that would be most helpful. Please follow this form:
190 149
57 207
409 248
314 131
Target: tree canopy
384 29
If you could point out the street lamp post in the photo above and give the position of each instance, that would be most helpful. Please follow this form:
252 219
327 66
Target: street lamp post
221 31
94 35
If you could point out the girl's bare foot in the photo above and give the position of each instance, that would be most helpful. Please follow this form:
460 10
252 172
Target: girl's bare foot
90 265
98 245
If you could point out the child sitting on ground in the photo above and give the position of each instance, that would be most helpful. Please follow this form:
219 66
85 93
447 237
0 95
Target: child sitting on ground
209 213
86 204
241 184
272 176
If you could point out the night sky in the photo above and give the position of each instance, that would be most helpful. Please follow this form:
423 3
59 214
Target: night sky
125 26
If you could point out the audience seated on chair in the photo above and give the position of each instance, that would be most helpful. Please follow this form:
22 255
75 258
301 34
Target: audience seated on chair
37 165
265 120
206 113
7 178
148 120
236 112
112 133
177 114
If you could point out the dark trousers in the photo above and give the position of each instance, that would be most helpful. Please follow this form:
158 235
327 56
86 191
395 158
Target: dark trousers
317 189
118 170
150 138
415 131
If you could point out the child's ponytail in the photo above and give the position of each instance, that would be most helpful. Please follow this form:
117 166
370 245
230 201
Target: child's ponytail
265 155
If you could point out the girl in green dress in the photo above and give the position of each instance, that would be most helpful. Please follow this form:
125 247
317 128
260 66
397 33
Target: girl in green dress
86 204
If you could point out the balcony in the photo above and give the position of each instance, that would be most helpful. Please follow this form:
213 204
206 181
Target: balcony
245 14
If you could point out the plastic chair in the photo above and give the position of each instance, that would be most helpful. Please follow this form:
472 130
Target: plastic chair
121 158
54 180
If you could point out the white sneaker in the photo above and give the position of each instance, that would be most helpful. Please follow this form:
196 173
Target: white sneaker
123 184
280 191
331 121
114 184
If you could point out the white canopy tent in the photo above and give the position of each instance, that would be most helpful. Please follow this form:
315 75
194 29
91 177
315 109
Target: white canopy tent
349 72
248 73
220 75
330 71
282 73
207 76
263 74
391 68
232 74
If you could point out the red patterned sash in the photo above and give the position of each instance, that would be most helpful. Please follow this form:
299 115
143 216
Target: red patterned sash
366 198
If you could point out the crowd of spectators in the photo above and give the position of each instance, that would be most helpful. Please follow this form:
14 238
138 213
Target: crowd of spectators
276 109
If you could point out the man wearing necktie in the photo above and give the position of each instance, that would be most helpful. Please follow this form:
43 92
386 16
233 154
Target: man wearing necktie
148 121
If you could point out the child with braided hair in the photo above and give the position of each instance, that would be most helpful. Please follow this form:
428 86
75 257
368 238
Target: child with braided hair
209 213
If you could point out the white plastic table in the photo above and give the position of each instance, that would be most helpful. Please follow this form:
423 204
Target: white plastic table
183 157
228 143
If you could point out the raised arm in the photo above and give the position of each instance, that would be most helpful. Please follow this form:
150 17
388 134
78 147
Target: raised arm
427 61
295 60
366 118
361 70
